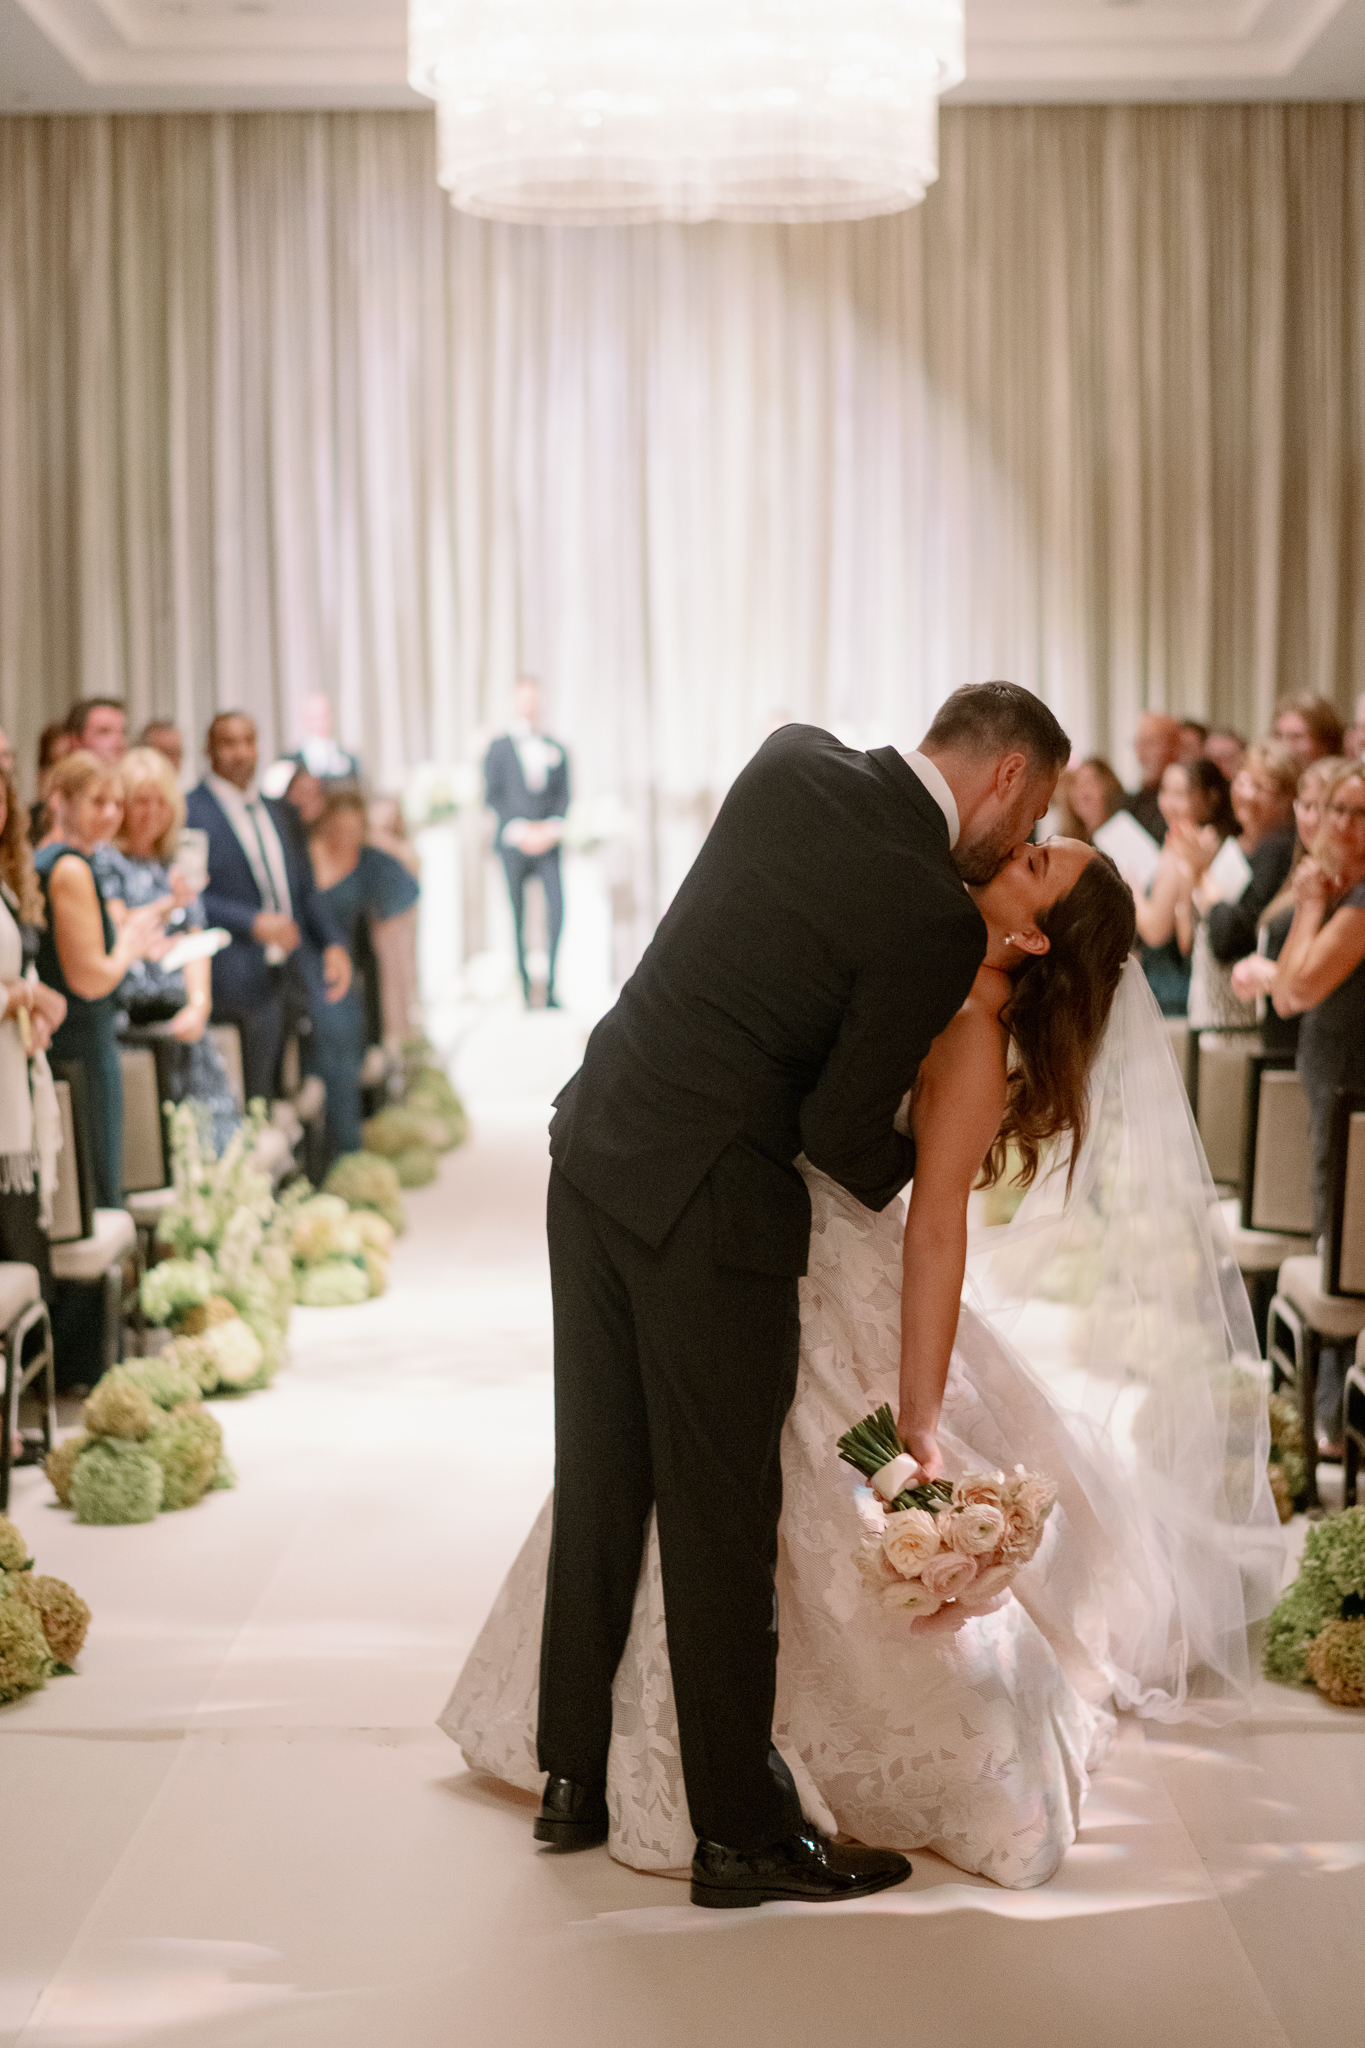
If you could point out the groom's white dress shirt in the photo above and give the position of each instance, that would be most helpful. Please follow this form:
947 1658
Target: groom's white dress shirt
255 832
937 786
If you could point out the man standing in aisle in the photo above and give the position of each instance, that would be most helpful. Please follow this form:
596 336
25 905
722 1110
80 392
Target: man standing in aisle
526 781
261 890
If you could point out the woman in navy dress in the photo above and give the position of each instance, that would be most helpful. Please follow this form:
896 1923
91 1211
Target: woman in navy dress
365 888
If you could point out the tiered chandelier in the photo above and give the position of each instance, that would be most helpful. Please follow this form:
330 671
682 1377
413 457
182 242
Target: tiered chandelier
601 111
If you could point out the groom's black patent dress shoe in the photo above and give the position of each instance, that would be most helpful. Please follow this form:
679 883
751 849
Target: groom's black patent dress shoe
571 1816
804 1866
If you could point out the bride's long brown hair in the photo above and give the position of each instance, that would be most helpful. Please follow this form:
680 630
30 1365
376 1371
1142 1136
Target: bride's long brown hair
1055 1016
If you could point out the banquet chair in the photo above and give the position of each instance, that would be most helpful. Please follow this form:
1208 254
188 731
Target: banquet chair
1320 1299
23 1311
93 1250
146 1168
1216 1081
1353 1425
1271 1218
276 1145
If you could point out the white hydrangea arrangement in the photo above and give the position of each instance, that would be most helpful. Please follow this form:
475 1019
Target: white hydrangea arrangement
340 1255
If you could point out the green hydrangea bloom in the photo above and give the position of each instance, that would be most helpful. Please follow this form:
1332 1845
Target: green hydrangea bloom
13 1549
368 1184
1302 1612
430 1092
119 1408
376 1272
60 1463
323 1230
62 1615
25 1659
225 1477
166 1383
394 1130
1338 1546
1336 1662
416 1166
229 1355
187 1446
174 1287
337 1283
1286 1426
116 1482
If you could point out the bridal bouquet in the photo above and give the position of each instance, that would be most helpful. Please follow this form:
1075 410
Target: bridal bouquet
956 1543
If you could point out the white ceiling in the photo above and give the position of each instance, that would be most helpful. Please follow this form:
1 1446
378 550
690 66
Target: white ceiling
81 55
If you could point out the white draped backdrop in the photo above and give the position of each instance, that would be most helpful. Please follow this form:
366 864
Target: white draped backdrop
274 419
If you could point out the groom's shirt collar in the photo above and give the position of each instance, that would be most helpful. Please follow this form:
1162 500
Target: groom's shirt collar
937 786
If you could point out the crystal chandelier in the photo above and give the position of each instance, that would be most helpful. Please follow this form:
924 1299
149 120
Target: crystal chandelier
593 111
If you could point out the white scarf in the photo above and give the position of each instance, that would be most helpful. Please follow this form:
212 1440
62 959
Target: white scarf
16 1104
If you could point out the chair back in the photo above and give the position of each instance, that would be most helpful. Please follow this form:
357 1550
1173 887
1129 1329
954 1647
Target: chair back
1277 1158
144 1127
228 1040
1343 1265
1220 1099
73 1209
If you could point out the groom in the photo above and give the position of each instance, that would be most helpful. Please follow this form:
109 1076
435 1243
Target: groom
821 940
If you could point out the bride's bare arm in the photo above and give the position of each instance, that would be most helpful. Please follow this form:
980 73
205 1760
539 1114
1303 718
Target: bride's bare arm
959 1101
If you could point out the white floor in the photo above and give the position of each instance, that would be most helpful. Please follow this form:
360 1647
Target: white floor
238 1824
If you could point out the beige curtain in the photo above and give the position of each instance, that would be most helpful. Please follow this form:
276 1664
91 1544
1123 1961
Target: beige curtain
273 419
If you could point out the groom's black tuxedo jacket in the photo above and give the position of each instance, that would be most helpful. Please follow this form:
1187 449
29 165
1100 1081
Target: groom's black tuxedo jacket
818 944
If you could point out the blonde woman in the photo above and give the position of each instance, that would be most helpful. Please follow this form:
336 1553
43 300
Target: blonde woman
136 868
83 956
1254 976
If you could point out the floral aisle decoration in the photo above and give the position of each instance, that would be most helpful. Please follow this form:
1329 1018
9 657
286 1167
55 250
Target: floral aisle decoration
43 1621
364 1180
227 1292
952 1545
1316 1635
1288 1474
340 1256
147 1445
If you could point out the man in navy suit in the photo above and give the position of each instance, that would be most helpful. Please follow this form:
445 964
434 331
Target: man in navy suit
526 781
260 889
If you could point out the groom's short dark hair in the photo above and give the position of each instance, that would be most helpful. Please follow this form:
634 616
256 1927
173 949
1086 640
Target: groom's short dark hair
1000 718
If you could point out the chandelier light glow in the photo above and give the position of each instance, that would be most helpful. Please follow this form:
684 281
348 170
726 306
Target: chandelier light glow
597 111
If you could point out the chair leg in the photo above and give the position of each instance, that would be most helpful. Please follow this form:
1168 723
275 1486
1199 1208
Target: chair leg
1308 1405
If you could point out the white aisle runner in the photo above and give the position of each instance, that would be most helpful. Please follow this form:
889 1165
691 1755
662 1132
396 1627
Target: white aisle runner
239 1827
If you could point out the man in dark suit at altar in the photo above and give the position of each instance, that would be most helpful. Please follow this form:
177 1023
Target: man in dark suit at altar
260 889
526 782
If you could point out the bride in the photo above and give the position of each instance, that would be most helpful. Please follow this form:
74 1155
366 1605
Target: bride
1104 1340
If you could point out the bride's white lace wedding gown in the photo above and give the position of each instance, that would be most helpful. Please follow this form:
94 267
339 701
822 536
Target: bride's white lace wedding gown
975 1742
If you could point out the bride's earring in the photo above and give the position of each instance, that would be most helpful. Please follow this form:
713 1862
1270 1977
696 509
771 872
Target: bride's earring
1009 938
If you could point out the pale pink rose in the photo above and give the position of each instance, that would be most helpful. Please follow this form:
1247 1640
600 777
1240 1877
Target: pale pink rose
974 1530
949 1574
911 1538
1028 1503
869 1510
987 1584
912 1597
978 1489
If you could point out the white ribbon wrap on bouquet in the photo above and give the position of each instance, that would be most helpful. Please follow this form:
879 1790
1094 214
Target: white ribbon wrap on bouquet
895 1477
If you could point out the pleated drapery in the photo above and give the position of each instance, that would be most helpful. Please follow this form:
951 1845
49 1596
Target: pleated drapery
273 419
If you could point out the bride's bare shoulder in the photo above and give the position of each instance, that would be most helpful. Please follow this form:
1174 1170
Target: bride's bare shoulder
966 1062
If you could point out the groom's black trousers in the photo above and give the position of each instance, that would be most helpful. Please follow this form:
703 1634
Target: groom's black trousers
673 1376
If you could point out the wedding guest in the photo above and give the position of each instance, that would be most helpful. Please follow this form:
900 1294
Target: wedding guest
1225 932
83 956
1156 744
100 726
7 757
167 738
318 751
261 890
1193 795
1309 727
1227 748
1254 976
305 798
395 939
1087 797
22 1237
1193 739
526 782
137 867
1321 978
54 744
363 889
1353 740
